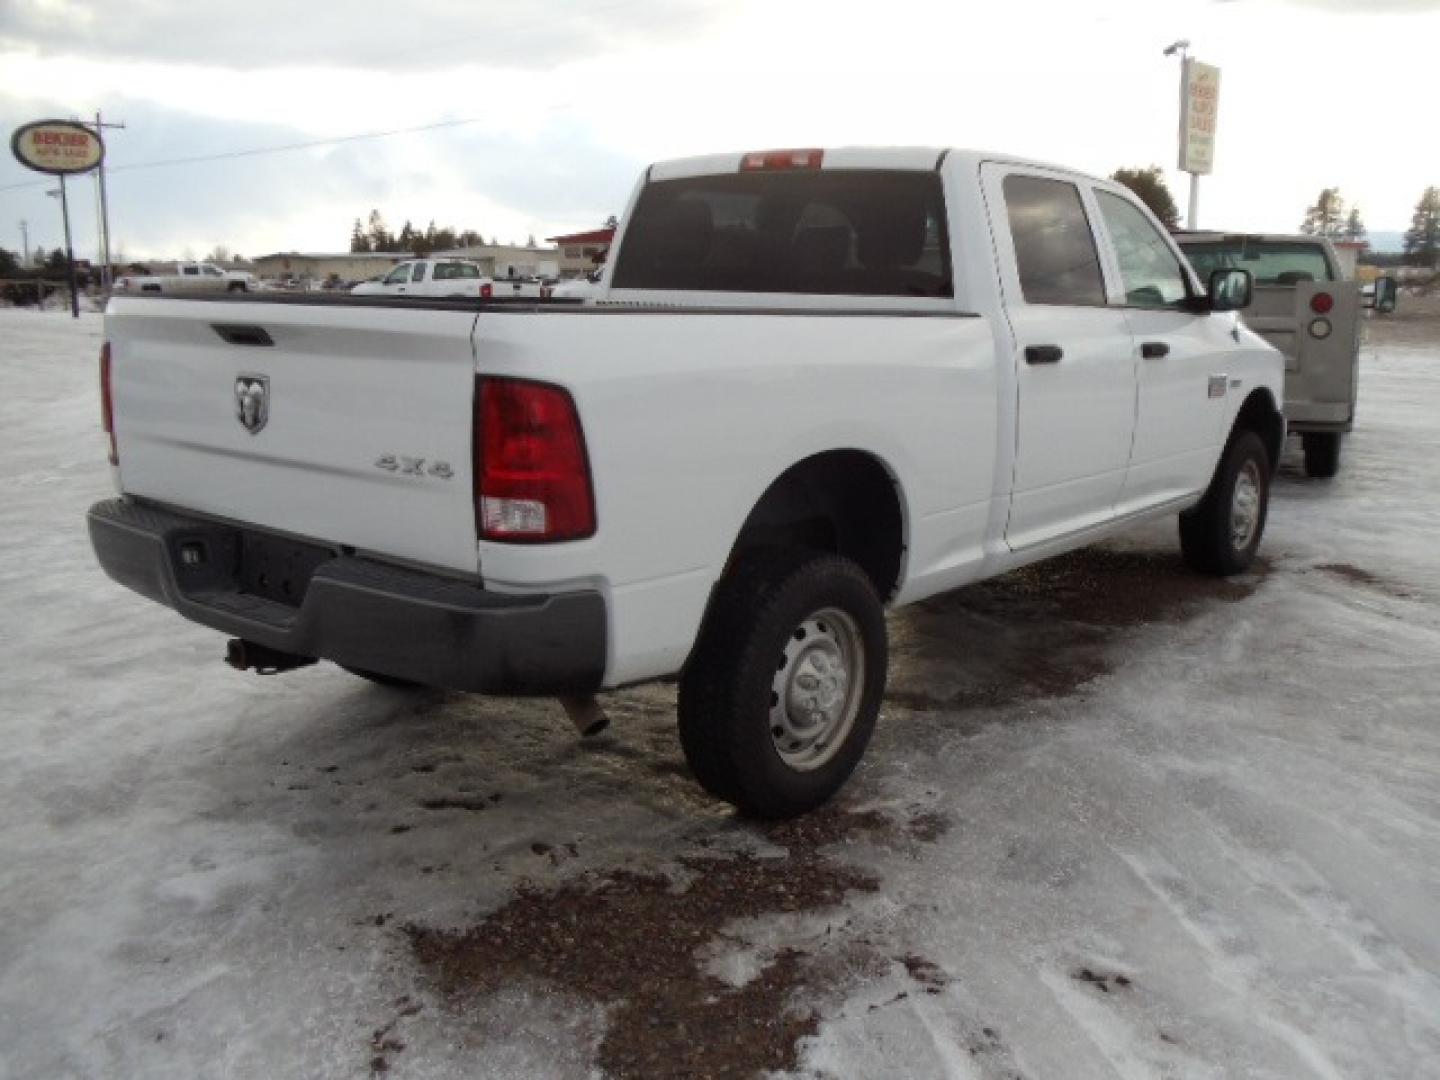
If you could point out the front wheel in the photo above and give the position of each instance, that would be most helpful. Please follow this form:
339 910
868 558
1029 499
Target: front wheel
1221 535
780 697
1322 453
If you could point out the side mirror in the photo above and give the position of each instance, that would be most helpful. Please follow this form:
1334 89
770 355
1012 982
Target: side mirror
1230 289
1387 292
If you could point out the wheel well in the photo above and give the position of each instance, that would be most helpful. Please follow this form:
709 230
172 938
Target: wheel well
843 501
1260 415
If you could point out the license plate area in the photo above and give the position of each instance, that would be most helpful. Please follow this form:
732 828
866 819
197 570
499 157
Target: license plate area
274 568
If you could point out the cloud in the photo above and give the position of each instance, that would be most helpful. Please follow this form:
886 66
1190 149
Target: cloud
553 179
1369 7
373 35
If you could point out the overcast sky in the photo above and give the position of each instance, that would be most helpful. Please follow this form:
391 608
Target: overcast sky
561 104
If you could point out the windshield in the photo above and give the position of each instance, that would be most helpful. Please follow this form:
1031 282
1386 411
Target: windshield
847 232
1270 262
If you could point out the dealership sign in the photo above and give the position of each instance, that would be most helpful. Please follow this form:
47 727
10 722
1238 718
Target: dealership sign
57 147
1199 106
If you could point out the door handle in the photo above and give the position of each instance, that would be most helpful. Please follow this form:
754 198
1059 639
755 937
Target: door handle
1154 350
1043 354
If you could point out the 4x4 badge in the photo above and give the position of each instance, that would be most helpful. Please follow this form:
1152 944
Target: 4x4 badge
252 401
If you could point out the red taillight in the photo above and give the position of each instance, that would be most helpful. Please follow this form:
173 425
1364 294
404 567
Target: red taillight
487 291
107 404
767 160
532 478
1321 303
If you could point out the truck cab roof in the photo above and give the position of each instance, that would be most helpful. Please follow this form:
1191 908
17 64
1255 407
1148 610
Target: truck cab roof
902 158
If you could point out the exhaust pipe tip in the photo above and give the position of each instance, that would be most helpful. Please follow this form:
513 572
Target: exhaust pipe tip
586 714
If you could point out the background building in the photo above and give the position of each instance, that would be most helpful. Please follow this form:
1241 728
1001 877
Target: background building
346 265
582 252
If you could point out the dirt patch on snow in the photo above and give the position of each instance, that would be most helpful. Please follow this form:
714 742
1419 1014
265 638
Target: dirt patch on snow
1045 630
634 941
1356 575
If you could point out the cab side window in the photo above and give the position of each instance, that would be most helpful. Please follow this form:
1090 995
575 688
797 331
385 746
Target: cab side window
1149 270
1054 248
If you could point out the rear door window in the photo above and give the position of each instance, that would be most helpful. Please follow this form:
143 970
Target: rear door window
1149 270
854 232
1055 250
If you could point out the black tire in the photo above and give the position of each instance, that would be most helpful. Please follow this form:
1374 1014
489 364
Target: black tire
235 286
1322 453
726 696
1207 533
390 682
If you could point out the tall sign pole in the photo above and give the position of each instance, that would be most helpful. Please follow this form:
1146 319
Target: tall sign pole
1199 110
60 148
100 127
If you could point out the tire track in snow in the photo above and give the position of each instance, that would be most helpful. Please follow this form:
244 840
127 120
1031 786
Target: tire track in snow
1168 887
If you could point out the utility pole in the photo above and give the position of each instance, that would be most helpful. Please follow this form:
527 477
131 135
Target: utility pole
100 127
25 243
69 249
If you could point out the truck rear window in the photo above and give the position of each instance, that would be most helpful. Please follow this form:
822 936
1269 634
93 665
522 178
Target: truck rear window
1270 262
850 232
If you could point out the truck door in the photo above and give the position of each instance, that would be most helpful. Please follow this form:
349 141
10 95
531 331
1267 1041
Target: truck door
397 282
1075 372
1182 379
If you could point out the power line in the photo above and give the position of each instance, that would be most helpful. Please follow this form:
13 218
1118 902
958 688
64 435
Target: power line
259 150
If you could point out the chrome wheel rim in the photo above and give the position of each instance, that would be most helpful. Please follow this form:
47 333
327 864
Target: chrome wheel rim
1245 506
815 694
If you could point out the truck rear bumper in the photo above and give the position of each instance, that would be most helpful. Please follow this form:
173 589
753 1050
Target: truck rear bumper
354 611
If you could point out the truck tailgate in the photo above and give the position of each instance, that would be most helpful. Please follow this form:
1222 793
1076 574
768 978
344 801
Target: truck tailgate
357 431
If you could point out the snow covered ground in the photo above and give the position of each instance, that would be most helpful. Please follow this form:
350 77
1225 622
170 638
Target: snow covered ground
1117 821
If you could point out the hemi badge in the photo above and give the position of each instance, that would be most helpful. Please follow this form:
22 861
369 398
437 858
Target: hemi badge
1218 385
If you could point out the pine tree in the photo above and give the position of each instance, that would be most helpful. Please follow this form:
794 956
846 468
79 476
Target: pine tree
1422 239
380 239
358 240
1149 184
1354 225
1327 216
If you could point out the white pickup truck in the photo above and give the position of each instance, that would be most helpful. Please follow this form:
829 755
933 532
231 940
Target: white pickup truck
448 279
189 278
809 385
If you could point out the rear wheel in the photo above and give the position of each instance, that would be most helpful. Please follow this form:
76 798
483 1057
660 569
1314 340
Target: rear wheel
1221 535
780 697
1322 453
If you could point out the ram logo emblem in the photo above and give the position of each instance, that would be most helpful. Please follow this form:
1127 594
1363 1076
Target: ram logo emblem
252 401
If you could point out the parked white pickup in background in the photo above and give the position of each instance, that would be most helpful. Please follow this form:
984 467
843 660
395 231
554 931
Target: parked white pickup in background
447 278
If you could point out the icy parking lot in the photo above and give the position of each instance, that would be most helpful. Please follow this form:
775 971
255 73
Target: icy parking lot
1116 821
